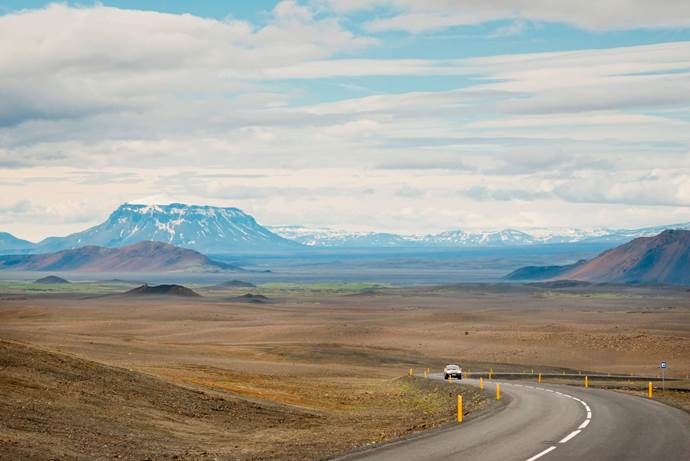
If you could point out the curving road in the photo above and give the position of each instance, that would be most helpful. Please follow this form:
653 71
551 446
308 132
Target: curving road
553 422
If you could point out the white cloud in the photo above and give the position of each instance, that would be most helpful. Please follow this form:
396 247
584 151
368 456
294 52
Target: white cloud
62 62
205 111
424 15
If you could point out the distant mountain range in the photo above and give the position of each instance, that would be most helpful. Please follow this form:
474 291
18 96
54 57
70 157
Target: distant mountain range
323 237
140 257
217 230
662 259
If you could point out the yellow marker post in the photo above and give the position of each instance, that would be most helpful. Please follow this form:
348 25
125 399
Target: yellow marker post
409 372
586 382
491 372
498 391
532 370
649 390
450 378
539 378
459 409
426 373
481 383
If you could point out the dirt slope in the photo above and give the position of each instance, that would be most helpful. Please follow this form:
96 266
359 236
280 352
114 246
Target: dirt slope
58 406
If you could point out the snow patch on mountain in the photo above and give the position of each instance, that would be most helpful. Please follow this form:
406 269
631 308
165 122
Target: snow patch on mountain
327 237
202 228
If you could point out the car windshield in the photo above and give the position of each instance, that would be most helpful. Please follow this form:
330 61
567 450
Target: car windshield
453 366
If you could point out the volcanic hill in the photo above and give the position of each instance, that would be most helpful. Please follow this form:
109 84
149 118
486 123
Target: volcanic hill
139 257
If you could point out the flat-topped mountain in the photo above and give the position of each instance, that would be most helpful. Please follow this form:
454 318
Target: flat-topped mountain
206 229
139 257
663 259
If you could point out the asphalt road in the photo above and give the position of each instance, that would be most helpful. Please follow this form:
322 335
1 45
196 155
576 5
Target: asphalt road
553 422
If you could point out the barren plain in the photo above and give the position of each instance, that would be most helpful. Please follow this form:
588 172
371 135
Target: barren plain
307 373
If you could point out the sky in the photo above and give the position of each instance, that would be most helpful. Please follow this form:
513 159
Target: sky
403 116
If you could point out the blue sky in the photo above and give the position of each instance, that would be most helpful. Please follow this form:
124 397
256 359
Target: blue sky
393 115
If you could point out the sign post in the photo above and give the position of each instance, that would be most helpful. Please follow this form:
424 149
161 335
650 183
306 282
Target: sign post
663 367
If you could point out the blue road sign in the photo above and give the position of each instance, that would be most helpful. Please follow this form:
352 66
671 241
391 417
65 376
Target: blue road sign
663 364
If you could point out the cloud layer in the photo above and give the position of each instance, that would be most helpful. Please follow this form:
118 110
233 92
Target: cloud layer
423 15
102 105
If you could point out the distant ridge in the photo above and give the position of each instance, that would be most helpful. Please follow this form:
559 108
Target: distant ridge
10 243
229 230
324 237
140 257
663 259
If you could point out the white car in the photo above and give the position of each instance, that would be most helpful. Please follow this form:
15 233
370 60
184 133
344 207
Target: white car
452 371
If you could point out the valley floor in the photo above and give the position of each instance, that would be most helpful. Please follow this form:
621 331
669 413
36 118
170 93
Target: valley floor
313 372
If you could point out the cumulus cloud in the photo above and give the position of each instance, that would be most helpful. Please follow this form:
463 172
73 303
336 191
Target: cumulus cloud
62 62
101 105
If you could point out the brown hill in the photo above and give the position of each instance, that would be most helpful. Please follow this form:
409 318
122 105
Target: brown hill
57 406
542 272
232 284
664 259
251 298
51 279
162 290
139 257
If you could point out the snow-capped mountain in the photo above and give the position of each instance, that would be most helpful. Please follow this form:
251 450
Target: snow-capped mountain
203 228
210 229
508 237
324 237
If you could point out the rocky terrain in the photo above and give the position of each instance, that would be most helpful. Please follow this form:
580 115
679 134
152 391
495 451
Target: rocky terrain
59 406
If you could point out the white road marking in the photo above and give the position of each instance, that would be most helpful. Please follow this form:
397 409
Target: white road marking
570 436
539 455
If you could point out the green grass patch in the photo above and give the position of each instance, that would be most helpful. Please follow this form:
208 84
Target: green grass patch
341 287
28 287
